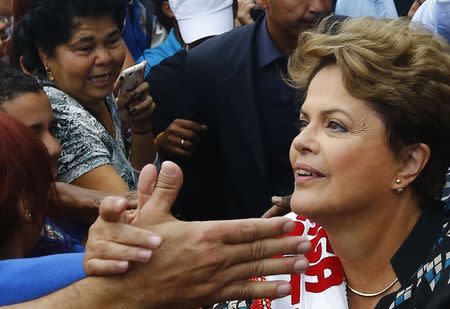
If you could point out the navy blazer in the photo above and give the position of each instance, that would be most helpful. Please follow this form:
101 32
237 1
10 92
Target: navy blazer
227 176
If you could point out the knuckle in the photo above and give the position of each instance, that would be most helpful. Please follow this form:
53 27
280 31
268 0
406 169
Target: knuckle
247 231
257 250
243 291
88 267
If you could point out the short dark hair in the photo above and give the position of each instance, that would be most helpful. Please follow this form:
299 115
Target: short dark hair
15 83
50 23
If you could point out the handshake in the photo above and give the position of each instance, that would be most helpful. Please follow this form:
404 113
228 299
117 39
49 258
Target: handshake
160 262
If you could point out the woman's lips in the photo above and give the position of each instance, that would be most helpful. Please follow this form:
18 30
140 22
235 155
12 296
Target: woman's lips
304 172
101 80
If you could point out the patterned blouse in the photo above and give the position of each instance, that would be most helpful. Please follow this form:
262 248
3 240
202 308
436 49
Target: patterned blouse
85 143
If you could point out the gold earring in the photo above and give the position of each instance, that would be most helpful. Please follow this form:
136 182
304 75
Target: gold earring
49 74
399 190
398 181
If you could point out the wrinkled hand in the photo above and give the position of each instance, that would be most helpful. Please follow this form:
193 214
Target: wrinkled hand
135 107
243 13
180 138
200 263
281 206
112 243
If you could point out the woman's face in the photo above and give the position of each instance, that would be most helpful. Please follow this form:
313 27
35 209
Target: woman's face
33 109
88 64
341 160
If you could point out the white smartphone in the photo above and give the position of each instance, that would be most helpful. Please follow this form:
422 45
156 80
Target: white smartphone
133 76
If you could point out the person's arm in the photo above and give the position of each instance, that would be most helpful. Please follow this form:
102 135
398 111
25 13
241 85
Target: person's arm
219 256
198 263
111 245
180 138
103 178
25 279
86 159
135 107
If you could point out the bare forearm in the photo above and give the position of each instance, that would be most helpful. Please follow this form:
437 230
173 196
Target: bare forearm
78 202
92 292
143 150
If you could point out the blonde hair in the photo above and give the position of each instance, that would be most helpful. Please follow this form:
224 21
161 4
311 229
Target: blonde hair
401 70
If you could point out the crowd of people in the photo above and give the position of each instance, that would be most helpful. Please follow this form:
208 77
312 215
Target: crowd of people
328 119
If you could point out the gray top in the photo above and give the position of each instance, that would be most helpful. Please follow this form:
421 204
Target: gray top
85 143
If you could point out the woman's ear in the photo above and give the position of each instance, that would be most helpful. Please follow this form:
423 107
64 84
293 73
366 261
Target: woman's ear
23 67
415 157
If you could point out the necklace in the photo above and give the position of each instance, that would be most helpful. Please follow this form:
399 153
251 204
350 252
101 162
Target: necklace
373 294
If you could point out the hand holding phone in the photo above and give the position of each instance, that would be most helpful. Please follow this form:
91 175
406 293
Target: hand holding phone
133 76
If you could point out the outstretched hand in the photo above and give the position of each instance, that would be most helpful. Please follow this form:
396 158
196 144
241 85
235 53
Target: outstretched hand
112 242
200 263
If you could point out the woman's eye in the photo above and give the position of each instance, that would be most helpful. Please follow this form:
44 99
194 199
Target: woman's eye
84 49
114 40
336 126
303 124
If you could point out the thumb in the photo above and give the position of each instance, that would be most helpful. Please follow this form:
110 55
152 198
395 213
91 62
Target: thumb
117 85
112 209
167 187
146 184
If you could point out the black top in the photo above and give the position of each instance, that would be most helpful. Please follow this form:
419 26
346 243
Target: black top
422 264
229 174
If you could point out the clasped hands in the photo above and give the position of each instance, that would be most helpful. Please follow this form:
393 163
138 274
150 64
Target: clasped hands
192 263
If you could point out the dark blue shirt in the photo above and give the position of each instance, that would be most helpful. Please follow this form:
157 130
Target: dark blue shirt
279 110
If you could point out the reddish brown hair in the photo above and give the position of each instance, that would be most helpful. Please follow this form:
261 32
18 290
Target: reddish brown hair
25 174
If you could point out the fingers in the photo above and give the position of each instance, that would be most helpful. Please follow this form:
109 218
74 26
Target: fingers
185 129
176 133
191 125
275 211
98 267
254 290
248 230
136 111
135 95
118 84
112 209
283 201
267 267
108 234
281 206
146 184
131 197
117 251
180 141
167 187
266 248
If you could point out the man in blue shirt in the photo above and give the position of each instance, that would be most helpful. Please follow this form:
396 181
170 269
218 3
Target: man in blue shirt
169 47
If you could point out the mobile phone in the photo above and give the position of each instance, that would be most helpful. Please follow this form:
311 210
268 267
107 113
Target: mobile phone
133 76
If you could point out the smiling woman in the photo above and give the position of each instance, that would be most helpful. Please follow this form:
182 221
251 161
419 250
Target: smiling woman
371 157
76 48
